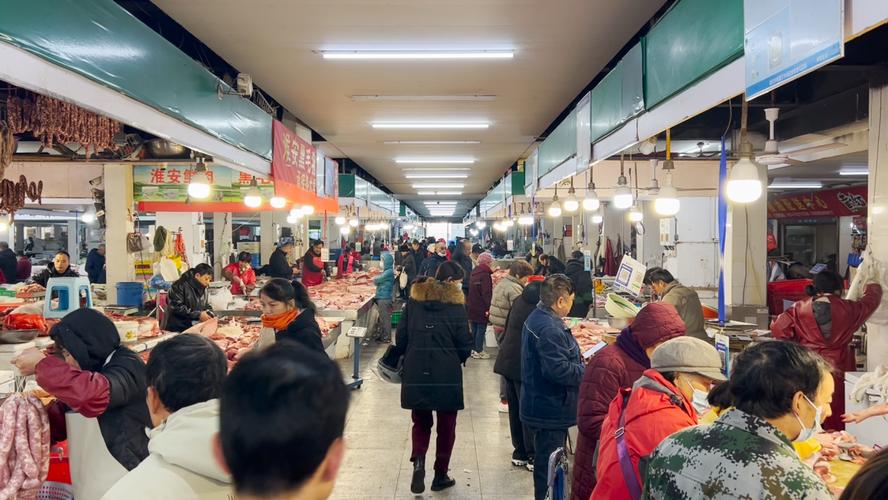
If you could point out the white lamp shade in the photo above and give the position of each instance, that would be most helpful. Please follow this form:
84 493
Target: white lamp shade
199 186
308 209
354 222
509 222
597 219
340 220
667 202
571 204
744 184
622 197
344 230
555 209
277 202
635 215
88 217
253 201
591 202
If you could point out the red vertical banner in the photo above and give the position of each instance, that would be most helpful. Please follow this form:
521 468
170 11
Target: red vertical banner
295 160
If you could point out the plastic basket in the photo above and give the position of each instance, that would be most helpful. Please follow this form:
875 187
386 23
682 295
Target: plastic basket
787 290
396 317
55 491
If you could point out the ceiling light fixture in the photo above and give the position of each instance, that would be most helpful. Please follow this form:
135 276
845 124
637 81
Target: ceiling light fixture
433 161
571 204
436 176
253 198
354 222
744 184
591 201
308 209
623 194
439 193
854 171
790 184
555 207
480 224
430 125
435 169
635 215
438 186
277 202
87 217
416 54
422 98
597 219
667 203
431 142
199 185
340 220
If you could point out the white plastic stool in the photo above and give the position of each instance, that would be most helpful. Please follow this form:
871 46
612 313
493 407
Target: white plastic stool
68 292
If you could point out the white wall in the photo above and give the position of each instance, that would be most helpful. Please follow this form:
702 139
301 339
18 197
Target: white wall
695 261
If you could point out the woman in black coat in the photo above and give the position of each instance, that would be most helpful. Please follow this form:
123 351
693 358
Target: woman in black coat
434 336
508 364
287 309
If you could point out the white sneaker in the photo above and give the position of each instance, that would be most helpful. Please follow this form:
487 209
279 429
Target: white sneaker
482 355
475 355
529 466
503 407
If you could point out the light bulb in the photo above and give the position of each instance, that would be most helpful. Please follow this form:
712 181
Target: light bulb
525 220
4 226
277 202
88 217
308 209
622 197
591 201
199 186
340 220
635 214
555 209
253 201
292 219
473 232
480 224
509 222
667 201
744 184
344 230
571 204
353 222
597 219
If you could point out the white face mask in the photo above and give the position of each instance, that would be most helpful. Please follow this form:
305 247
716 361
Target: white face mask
808 432
699 400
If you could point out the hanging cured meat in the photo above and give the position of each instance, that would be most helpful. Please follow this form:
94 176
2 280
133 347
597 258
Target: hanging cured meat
13 194
24 446
53 121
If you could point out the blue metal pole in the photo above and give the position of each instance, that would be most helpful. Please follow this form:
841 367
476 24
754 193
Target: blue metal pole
722 229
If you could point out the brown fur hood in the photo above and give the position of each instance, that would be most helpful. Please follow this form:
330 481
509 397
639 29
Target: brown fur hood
432 290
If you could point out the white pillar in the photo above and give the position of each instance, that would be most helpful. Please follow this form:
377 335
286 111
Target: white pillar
745 256
222 245
877 220
72 248
267 236
118 181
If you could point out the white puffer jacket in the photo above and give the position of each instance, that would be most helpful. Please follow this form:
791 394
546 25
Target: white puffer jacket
504 295
180 463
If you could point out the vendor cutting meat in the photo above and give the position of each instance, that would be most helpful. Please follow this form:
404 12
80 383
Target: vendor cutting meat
312 265
278 264
100 391
188 299
60 267
241 274
825 323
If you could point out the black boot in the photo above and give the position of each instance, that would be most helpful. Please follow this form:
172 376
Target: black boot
417 485
442 482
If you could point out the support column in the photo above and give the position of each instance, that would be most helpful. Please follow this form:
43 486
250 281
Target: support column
267 236
877 220
118 180
193 231
745 256
222 245
72 247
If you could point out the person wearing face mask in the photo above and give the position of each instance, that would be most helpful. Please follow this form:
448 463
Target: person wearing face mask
437 256
781 392
667 398
611 369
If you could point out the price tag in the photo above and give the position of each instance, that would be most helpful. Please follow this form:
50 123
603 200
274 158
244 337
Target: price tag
722 345
325 254
510 245
357 332
587 260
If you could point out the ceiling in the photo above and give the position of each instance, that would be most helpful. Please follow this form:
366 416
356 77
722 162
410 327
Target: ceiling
825 170
559 48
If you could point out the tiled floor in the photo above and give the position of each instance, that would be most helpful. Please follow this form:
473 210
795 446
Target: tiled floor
377 433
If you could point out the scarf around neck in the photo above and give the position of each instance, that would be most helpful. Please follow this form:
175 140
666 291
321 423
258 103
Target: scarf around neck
627 342
279 322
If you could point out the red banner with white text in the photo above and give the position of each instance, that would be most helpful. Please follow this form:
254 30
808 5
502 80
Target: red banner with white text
293 168
842 202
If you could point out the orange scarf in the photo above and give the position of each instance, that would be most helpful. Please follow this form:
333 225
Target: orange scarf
280 322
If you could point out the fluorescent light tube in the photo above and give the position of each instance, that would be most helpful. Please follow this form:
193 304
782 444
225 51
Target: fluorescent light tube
437 169
417 54
795 185
419 98
438 186
432 161
436 176
431 142
860 171
430 125
439 193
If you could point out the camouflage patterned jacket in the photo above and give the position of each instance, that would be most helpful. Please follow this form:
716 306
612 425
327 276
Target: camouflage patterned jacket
739 456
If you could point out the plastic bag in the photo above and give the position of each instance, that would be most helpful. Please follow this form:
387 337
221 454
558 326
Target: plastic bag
14 321
871 270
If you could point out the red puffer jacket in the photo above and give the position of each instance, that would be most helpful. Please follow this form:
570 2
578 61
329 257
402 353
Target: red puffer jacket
607 372
798 324
656 409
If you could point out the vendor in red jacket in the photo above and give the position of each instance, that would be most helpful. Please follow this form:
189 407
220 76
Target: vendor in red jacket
312 265
100 389
611 369
667 398
825 323
241 274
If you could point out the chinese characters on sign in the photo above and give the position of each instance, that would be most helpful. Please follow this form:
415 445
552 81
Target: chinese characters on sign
156 183
829 203
295 160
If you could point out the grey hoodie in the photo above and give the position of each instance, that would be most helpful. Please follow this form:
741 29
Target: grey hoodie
181 462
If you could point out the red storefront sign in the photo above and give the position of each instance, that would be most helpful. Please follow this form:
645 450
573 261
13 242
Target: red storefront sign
840 202
293 168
